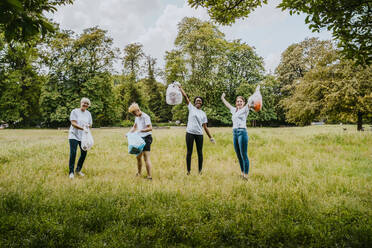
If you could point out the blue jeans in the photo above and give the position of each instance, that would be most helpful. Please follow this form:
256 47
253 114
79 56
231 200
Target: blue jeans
240 137
73 147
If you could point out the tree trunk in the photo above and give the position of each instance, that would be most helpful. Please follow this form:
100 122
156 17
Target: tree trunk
360 121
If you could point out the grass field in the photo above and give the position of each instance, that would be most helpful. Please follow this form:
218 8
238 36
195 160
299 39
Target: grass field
307 187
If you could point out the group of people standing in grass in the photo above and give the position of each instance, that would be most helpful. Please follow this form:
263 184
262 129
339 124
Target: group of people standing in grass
81 120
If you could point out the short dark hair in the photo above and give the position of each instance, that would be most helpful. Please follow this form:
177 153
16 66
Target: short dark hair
201 98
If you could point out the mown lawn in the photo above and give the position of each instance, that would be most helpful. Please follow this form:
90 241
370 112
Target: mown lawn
308 187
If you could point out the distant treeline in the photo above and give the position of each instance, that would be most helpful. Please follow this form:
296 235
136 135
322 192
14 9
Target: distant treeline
42 80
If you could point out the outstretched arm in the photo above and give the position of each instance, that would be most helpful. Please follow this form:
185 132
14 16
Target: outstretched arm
184 95
227 104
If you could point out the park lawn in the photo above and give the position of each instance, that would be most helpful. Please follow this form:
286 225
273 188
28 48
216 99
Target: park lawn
307 187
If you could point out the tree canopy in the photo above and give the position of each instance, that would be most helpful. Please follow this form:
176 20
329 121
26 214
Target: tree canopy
349 21
22 20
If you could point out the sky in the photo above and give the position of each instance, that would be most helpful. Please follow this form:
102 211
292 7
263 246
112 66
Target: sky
154 24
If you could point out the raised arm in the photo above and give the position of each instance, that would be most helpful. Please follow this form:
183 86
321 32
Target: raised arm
184 95
227 104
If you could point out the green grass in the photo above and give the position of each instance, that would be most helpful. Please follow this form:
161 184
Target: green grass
308 187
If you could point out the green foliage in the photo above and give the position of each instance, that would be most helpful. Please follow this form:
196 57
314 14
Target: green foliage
133 54
78 66
349 21
298 59
22 20
335 89
225 12
20 84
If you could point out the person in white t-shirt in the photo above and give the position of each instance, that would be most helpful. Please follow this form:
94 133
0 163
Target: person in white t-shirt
80 119
240 135
197 120
143 125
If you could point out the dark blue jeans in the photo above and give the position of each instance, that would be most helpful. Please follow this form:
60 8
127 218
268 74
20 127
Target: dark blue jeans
73 147
240 137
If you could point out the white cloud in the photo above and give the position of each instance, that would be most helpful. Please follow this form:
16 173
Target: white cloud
160 37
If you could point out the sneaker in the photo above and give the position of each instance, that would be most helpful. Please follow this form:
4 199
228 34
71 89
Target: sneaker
188 173
80 173
71 176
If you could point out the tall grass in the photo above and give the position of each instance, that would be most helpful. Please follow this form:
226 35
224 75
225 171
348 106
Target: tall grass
307 187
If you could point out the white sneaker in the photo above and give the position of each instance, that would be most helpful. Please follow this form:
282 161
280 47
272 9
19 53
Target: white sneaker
80 173
71 176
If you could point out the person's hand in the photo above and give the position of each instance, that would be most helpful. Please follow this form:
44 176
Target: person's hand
86 128
213 140
223 95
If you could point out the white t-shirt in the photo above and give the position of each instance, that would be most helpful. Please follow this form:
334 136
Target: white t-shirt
142 122
239 118
197 118
82 118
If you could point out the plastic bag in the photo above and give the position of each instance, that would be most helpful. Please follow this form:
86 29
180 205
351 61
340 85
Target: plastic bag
173 95
135 143
87 139
255 100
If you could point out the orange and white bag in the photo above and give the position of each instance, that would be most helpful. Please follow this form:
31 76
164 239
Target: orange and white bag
255 100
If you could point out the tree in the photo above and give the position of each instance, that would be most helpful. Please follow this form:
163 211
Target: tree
335 89
298 59
133 54
22 20
78 66
155 101
349 21
20 83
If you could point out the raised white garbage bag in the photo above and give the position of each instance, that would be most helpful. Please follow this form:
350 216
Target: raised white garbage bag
255 100
87 139
173 95
135 143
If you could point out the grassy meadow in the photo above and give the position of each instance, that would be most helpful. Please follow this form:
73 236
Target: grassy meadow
308 187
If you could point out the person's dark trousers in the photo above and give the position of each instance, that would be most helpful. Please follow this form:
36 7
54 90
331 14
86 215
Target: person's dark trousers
240 137
73 147
199 148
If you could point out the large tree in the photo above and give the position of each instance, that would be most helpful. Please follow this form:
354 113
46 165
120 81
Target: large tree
22 20
336 89
133 56
20 83
298 59
349 21
78 66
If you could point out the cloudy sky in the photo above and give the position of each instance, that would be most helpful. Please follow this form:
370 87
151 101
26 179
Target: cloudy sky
154 24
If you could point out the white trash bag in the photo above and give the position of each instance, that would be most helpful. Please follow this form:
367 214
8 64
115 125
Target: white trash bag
135 143
255 100
174 95
87 139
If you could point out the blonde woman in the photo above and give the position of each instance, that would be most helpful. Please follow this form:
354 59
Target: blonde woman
143 126
80 118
